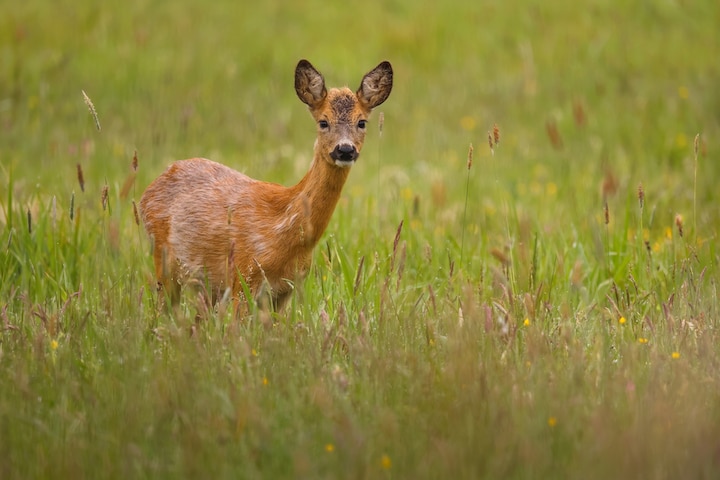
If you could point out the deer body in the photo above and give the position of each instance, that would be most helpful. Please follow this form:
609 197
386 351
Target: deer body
207 220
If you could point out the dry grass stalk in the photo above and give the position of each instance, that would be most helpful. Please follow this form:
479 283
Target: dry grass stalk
135 162
496 134
53 211
129 182
467 194
695 148
641 196
679 224
401 265
91 107
381 122
358 275
395 245
432 299
104 197
72 206
81 178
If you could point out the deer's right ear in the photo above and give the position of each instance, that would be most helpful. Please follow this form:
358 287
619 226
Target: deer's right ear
309 84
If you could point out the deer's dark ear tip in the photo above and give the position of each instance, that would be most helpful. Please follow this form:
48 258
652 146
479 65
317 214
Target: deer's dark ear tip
303 64
386 66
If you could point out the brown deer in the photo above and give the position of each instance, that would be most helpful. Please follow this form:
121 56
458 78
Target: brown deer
239 234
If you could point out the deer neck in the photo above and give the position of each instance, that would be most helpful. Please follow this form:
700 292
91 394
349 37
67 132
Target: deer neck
316 195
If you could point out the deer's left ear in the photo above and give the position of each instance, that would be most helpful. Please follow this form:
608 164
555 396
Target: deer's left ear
376 85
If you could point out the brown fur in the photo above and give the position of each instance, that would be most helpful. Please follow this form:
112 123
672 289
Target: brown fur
209 221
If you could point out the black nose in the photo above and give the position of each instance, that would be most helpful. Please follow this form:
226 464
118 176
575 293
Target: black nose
345 152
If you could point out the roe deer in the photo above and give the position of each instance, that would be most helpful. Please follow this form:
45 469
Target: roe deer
209 221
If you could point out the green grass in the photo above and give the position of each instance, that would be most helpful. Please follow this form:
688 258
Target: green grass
503 330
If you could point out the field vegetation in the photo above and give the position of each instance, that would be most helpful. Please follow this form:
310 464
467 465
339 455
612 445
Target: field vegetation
543 304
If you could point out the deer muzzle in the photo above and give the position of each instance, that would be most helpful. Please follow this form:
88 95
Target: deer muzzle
344 153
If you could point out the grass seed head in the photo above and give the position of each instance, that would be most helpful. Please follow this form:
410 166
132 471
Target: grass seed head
104 197
81 177
500 256
579 114
679 224
395 245
554 135
381 122
91 107
607 213
609 184
470 157
641 195
135 213
496 134
135 162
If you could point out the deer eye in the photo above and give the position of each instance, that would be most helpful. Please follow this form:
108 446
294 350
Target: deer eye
362 124
323 124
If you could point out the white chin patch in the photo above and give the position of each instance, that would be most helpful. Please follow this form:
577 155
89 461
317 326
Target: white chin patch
344 163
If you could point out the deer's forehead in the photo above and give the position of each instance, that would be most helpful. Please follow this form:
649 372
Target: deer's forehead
343 104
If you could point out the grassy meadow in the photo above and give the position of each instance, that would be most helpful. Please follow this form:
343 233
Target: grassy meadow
550 312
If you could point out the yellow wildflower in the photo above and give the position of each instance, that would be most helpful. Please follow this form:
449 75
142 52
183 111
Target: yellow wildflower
467 123
385 462
681 141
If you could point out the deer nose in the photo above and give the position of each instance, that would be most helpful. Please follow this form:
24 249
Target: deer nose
344 152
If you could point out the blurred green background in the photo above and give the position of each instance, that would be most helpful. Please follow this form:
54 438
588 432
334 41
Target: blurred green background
626 85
